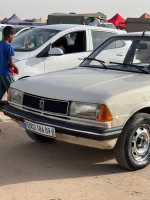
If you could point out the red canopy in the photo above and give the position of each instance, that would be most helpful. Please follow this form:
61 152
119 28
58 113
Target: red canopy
145 16
122 25
117 20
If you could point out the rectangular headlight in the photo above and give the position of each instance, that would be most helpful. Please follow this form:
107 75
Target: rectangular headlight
84 110
16 96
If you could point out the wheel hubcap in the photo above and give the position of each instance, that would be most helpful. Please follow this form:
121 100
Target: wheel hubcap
141 143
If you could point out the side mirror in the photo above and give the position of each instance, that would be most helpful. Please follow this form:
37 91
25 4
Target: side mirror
55 52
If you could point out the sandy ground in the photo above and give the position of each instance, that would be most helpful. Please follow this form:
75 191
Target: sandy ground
62 171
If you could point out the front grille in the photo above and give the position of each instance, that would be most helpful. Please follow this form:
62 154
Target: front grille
44 104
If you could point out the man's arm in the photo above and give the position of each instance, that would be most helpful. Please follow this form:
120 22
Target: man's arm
12 64
99 23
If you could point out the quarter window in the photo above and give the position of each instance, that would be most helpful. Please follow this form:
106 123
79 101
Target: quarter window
99 37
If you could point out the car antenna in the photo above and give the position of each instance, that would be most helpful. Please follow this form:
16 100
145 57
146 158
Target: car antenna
146 30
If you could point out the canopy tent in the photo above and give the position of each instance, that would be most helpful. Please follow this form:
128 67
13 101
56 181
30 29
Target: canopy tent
118 21
122 25
13 20
145 16
40 20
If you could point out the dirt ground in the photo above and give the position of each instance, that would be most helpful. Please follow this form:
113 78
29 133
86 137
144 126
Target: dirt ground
62 171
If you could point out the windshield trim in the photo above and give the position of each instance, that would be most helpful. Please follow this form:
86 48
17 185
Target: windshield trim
109 68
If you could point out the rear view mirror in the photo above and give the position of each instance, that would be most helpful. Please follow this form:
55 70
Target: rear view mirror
55 51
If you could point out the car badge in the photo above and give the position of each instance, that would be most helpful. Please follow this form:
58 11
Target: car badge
41 104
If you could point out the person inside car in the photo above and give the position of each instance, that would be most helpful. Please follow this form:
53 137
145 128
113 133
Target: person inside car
29 44
61 43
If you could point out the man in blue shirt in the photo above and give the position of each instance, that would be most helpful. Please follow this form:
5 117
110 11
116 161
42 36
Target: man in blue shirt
6 61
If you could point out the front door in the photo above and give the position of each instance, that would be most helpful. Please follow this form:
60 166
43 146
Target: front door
74 46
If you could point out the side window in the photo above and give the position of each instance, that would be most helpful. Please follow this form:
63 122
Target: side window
72 42
99 37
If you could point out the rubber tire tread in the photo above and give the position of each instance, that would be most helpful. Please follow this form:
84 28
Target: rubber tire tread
119 149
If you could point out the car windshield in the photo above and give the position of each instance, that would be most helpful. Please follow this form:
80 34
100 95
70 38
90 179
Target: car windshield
122 53
32 39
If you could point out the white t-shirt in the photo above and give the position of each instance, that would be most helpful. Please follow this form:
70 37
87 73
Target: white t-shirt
96 22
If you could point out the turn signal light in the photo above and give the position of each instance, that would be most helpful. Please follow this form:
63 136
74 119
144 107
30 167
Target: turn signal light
105 114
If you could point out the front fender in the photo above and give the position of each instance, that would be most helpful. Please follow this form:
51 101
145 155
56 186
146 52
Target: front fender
137 109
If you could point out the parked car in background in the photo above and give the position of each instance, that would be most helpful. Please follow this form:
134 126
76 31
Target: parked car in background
105 102
108 25
56 47
19 29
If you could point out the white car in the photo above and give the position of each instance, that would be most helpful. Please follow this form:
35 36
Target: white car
42 56
56 47
108 25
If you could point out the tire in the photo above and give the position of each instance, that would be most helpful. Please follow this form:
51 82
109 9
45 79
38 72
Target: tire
39 138
132 150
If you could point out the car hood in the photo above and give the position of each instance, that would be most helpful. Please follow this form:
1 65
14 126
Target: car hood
82 84
21 56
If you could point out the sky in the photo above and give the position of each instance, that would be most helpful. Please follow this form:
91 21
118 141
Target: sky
29 9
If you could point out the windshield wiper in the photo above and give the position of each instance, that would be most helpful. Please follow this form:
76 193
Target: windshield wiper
100 61
131 65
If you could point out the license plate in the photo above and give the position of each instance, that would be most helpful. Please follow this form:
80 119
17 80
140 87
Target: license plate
39 128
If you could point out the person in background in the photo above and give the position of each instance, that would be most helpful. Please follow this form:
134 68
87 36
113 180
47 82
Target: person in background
6 61
96 22
61 43
29 44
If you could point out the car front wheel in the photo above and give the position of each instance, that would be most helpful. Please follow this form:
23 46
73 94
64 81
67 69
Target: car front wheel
39 138
132 150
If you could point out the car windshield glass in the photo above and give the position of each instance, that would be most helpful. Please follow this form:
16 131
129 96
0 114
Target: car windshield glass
122 53
32 39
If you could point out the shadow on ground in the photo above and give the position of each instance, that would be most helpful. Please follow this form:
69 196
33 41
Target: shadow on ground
23 160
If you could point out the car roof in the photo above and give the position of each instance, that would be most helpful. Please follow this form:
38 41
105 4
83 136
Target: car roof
136 34
62 27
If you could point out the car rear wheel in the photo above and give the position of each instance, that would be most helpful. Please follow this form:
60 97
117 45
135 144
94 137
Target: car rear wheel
132 150
39 138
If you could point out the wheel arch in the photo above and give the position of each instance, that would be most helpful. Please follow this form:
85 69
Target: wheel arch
144 108
23 77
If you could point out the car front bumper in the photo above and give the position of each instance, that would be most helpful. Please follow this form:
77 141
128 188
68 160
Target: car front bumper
67 128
